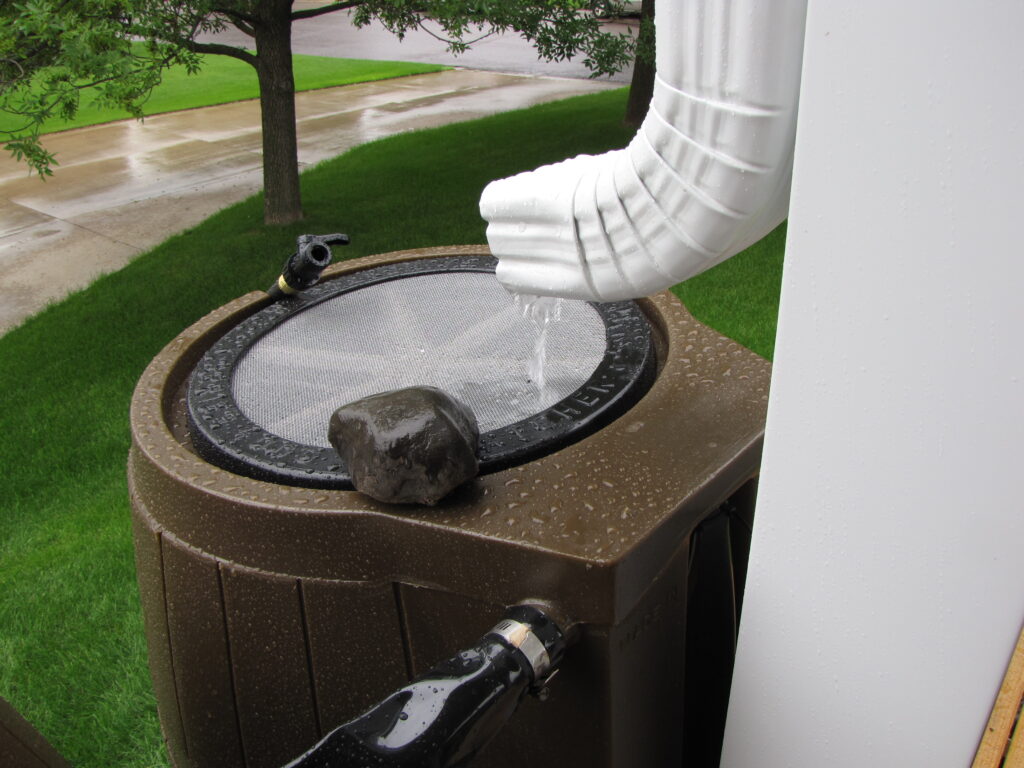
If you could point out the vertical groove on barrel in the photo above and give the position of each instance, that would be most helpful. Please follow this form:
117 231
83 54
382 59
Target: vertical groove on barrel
238 705
152 595
440 623
355 646
199 647
311 676
403 628
268 661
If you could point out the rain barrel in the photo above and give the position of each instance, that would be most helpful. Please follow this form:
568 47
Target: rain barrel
279 604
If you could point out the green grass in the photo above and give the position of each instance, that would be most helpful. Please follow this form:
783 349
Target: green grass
223 80
740 297
72 658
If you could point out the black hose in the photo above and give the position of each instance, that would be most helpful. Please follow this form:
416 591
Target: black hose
443 718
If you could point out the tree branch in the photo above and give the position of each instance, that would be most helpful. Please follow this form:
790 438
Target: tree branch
234 15
460 44
220 49
241 21
309 13
245 27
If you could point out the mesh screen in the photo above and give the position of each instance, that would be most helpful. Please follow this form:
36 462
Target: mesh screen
458 331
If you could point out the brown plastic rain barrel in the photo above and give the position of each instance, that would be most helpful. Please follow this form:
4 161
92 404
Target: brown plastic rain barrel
276 612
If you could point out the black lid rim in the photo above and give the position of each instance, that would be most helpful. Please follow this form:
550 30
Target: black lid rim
224 436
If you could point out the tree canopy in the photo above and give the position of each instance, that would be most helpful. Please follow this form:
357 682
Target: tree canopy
54 51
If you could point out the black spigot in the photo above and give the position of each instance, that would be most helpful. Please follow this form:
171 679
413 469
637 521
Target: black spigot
304 267
444 717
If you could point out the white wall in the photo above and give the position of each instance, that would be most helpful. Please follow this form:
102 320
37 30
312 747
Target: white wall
886 586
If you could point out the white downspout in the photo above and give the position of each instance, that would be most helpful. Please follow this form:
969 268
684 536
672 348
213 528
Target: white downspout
884 593
706 175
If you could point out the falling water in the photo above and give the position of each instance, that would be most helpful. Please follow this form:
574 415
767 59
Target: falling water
541 311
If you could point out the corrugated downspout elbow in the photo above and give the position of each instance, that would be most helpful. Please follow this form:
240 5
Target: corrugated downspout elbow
707 174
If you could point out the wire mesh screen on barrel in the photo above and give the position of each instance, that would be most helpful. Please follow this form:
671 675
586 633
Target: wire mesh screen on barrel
261 398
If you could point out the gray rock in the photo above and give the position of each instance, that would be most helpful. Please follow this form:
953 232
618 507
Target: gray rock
409 446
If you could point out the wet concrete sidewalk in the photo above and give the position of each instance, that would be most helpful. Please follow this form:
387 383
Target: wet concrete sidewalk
124 187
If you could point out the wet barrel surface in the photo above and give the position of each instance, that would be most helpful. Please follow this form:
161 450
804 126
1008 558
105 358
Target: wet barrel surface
275 613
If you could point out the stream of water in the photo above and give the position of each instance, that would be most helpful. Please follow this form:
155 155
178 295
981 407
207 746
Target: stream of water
541 311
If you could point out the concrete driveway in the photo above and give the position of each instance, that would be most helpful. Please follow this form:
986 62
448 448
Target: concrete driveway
124 187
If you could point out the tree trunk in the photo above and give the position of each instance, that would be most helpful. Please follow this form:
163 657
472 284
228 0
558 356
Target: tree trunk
282 197
641 88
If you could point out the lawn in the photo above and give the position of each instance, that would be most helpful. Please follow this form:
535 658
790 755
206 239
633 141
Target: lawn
72 656
223 80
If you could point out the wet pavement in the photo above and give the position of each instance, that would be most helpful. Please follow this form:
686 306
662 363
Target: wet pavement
124 187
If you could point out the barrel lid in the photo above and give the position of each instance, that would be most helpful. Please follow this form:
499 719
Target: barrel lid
260 399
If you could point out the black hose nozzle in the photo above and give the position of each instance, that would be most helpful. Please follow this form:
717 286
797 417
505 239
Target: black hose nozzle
443 718
304 267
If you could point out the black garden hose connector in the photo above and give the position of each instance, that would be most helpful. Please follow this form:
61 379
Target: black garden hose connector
303 268
530 629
